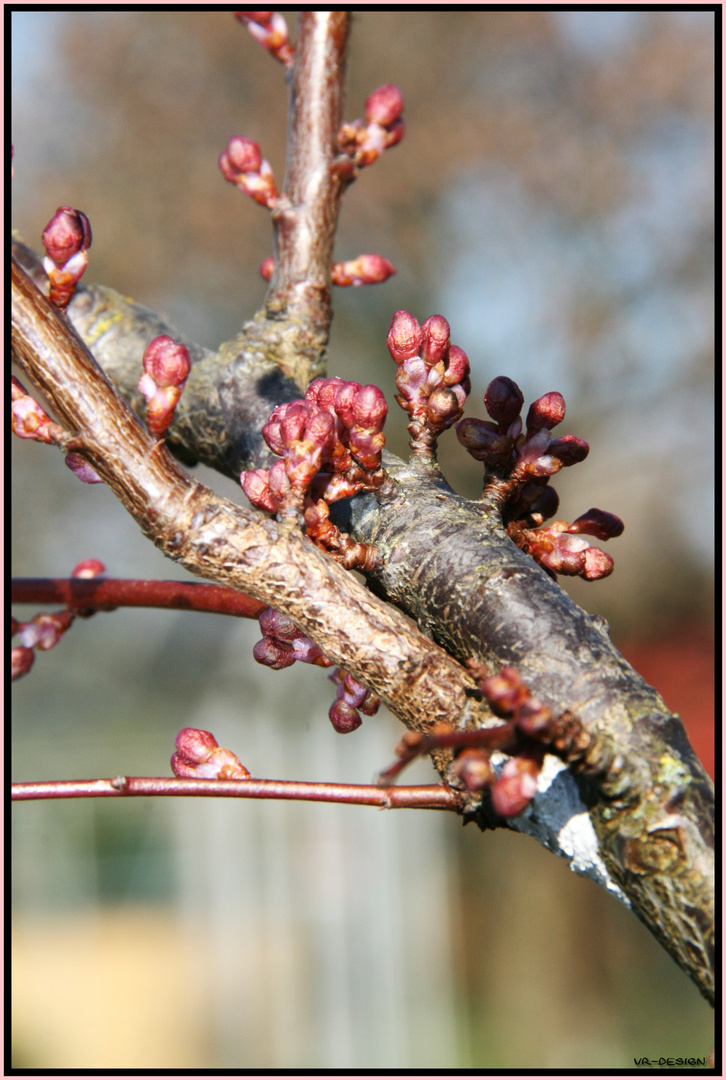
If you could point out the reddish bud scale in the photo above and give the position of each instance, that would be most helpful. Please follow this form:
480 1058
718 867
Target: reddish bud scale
88 568
364 270
242 164
67 233
21 661
199 756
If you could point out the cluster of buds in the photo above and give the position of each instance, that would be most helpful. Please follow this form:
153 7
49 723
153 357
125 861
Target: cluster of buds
198 756
66 239
365 140
270 29
529 732
352 699
242 164
520 459
329 444
45 630
30 421
365 270
166 368
283 643
432 377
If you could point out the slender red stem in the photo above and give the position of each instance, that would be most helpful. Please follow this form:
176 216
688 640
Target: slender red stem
104 594
424 796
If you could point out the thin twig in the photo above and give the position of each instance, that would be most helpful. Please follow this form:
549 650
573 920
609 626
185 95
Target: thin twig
423 796
105 594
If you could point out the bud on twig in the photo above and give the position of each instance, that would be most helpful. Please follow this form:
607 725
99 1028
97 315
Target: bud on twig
270 29
365 141
66 239
199 756
166 368
242 164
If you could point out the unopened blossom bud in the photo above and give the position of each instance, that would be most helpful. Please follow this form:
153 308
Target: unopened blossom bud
457 368
198 756
369 407
166 367
515 787
598 564
503 400
80 468
344 718
242 164
532 716
598 523
474 769
443 408
546 412
45 630
365 270
256 486
88 568
67 233
66 238
267 268
28 420
436 334
384 105
504 691
270 29
480 439
273 653
568 449
404 337
21 661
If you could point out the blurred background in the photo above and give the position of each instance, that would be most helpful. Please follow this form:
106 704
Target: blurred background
554 199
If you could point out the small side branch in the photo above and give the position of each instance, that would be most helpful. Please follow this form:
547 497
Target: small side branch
422 797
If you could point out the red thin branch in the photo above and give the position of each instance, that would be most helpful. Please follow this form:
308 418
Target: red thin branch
104 594
423 796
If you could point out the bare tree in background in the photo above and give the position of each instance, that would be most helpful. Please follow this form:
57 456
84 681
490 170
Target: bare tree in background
498 652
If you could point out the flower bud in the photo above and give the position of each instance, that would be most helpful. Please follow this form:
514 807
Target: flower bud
384 105
504 691
474 769
67 233
436 339
242 156
273 653
88 568
443 408
568 449
598 523
546 412
457 368
344 717
267 267
80 467
404 337
365 270
515 787
198 756
503 400
167 361
369 407
598 564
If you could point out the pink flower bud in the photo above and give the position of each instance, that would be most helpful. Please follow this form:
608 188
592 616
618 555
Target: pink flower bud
384 105
515 787
598 523
256 486
457 368
365 270
404 337
21 661
598 564
532 716
67 233
270 29
80 467
569 449
369 407
474 769
273 653
436 339
275 624
167 361
481 440
198 756
443 408
503 400
242 156
504 691
89 568
267 267
546 412
344 717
